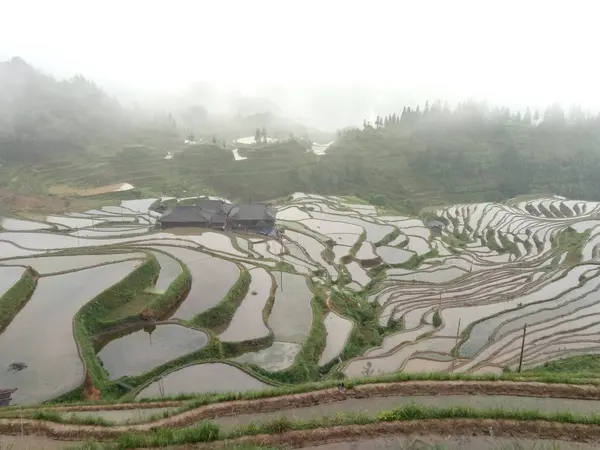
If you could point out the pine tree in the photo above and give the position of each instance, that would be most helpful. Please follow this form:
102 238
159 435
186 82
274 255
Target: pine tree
518 117
264 134
404 115
527 117
364 123
536 116
257 135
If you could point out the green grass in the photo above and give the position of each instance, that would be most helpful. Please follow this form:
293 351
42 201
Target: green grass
87 321
545 377
16 297
583 364
366 333
305 368
407 413
163 437
210 432
52 416
140 301
195 400
572 242
221 314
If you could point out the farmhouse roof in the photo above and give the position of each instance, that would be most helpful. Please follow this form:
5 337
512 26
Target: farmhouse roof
256 211
208 204
185 214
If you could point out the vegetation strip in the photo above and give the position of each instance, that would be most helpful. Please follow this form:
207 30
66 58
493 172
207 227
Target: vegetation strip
409 419
549 379
16 297
480 427
191 416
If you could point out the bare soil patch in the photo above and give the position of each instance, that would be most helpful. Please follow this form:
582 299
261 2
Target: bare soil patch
14 201
68 190
415 442
445 427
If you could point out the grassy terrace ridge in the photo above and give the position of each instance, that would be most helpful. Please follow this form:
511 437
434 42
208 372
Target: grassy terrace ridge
221 314
206 431
550 376
16 297
87 321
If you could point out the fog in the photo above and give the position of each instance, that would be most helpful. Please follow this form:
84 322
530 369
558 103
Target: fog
328 63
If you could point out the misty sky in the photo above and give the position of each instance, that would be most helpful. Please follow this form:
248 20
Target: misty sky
512 52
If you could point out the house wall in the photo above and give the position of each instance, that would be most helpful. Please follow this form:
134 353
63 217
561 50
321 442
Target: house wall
183 224
252 224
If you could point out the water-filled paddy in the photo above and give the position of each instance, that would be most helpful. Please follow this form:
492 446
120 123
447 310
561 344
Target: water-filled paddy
8 277
211 280
338 329
393 255
247 322
53 264
11 224
358 274
469 280
291 316
202 378
145 349
44 327
277 357
169 270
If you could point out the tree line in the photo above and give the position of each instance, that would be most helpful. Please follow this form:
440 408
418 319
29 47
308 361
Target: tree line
474 111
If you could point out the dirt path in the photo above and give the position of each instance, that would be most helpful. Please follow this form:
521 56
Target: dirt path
371 406
429 442
368 397
516 430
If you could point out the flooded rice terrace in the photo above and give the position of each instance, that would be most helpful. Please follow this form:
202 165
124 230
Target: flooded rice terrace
153 304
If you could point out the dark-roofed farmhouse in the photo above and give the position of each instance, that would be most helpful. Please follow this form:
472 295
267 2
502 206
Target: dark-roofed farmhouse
209 213
204 213
257 216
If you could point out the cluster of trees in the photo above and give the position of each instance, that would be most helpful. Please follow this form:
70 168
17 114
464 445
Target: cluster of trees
41 117
260 135
472 111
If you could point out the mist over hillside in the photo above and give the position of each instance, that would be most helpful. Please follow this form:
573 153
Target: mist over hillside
42 117
57 133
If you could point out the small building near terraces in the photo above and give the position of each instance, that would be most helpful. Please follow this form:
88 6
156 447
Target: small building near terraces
209 213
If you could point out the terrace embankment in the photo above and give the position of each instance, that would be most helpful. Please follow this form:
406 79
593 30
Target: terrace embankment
515 396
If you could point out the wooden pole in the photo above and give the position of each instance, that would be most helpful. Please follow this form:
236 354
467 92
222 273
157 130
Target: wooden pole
456 343
281 268
457 332
522 348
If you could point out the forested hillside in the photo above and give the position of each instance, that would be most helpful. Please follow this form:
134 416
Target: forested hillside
42 118
70 133
469 154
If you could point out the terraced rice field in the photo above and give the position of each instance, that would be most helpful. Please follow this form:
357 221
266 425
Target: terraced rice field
111 295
